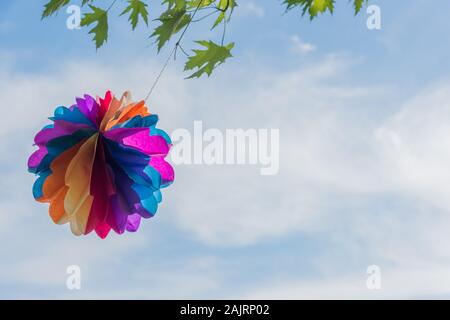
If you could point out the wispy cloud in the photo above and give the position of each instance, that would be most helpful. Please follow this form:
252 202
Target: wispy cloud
251 8
300 46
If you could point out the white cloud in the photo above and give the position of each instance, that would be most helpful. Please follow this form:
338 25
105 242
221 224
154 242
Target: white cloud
250 8
323 153
402 218
300 46
400 283
415 146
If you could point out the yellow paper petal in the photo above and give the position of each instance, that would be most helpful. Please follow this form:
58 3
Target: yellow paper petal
78 180
80 217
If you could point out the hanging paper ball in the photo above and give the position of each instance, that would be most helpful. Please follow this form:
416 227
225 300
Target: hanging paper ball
101 165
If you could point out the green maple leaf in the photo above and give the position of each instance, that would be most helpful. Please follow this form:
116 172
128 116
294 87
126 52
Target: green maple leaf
192 4
100 31
53 6
175 4
320 6
358 5
172 21
313 7
206 60
219 19
224 6
85 1
136 8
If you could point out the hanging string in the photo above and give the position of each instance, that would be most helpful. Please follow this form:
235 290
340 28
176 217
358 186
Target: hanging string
173 52
224 30
160 73
111 5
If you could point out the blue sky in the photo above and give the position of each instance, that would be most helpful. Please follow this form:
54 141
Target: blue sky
364 122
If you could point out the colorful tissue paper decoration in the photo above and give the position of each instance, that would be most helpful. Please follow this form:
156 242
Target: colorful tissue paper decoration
101 165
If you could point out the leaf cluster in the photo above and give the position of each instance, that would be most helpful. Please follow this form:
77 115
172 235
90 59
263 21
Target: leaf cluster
176 17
